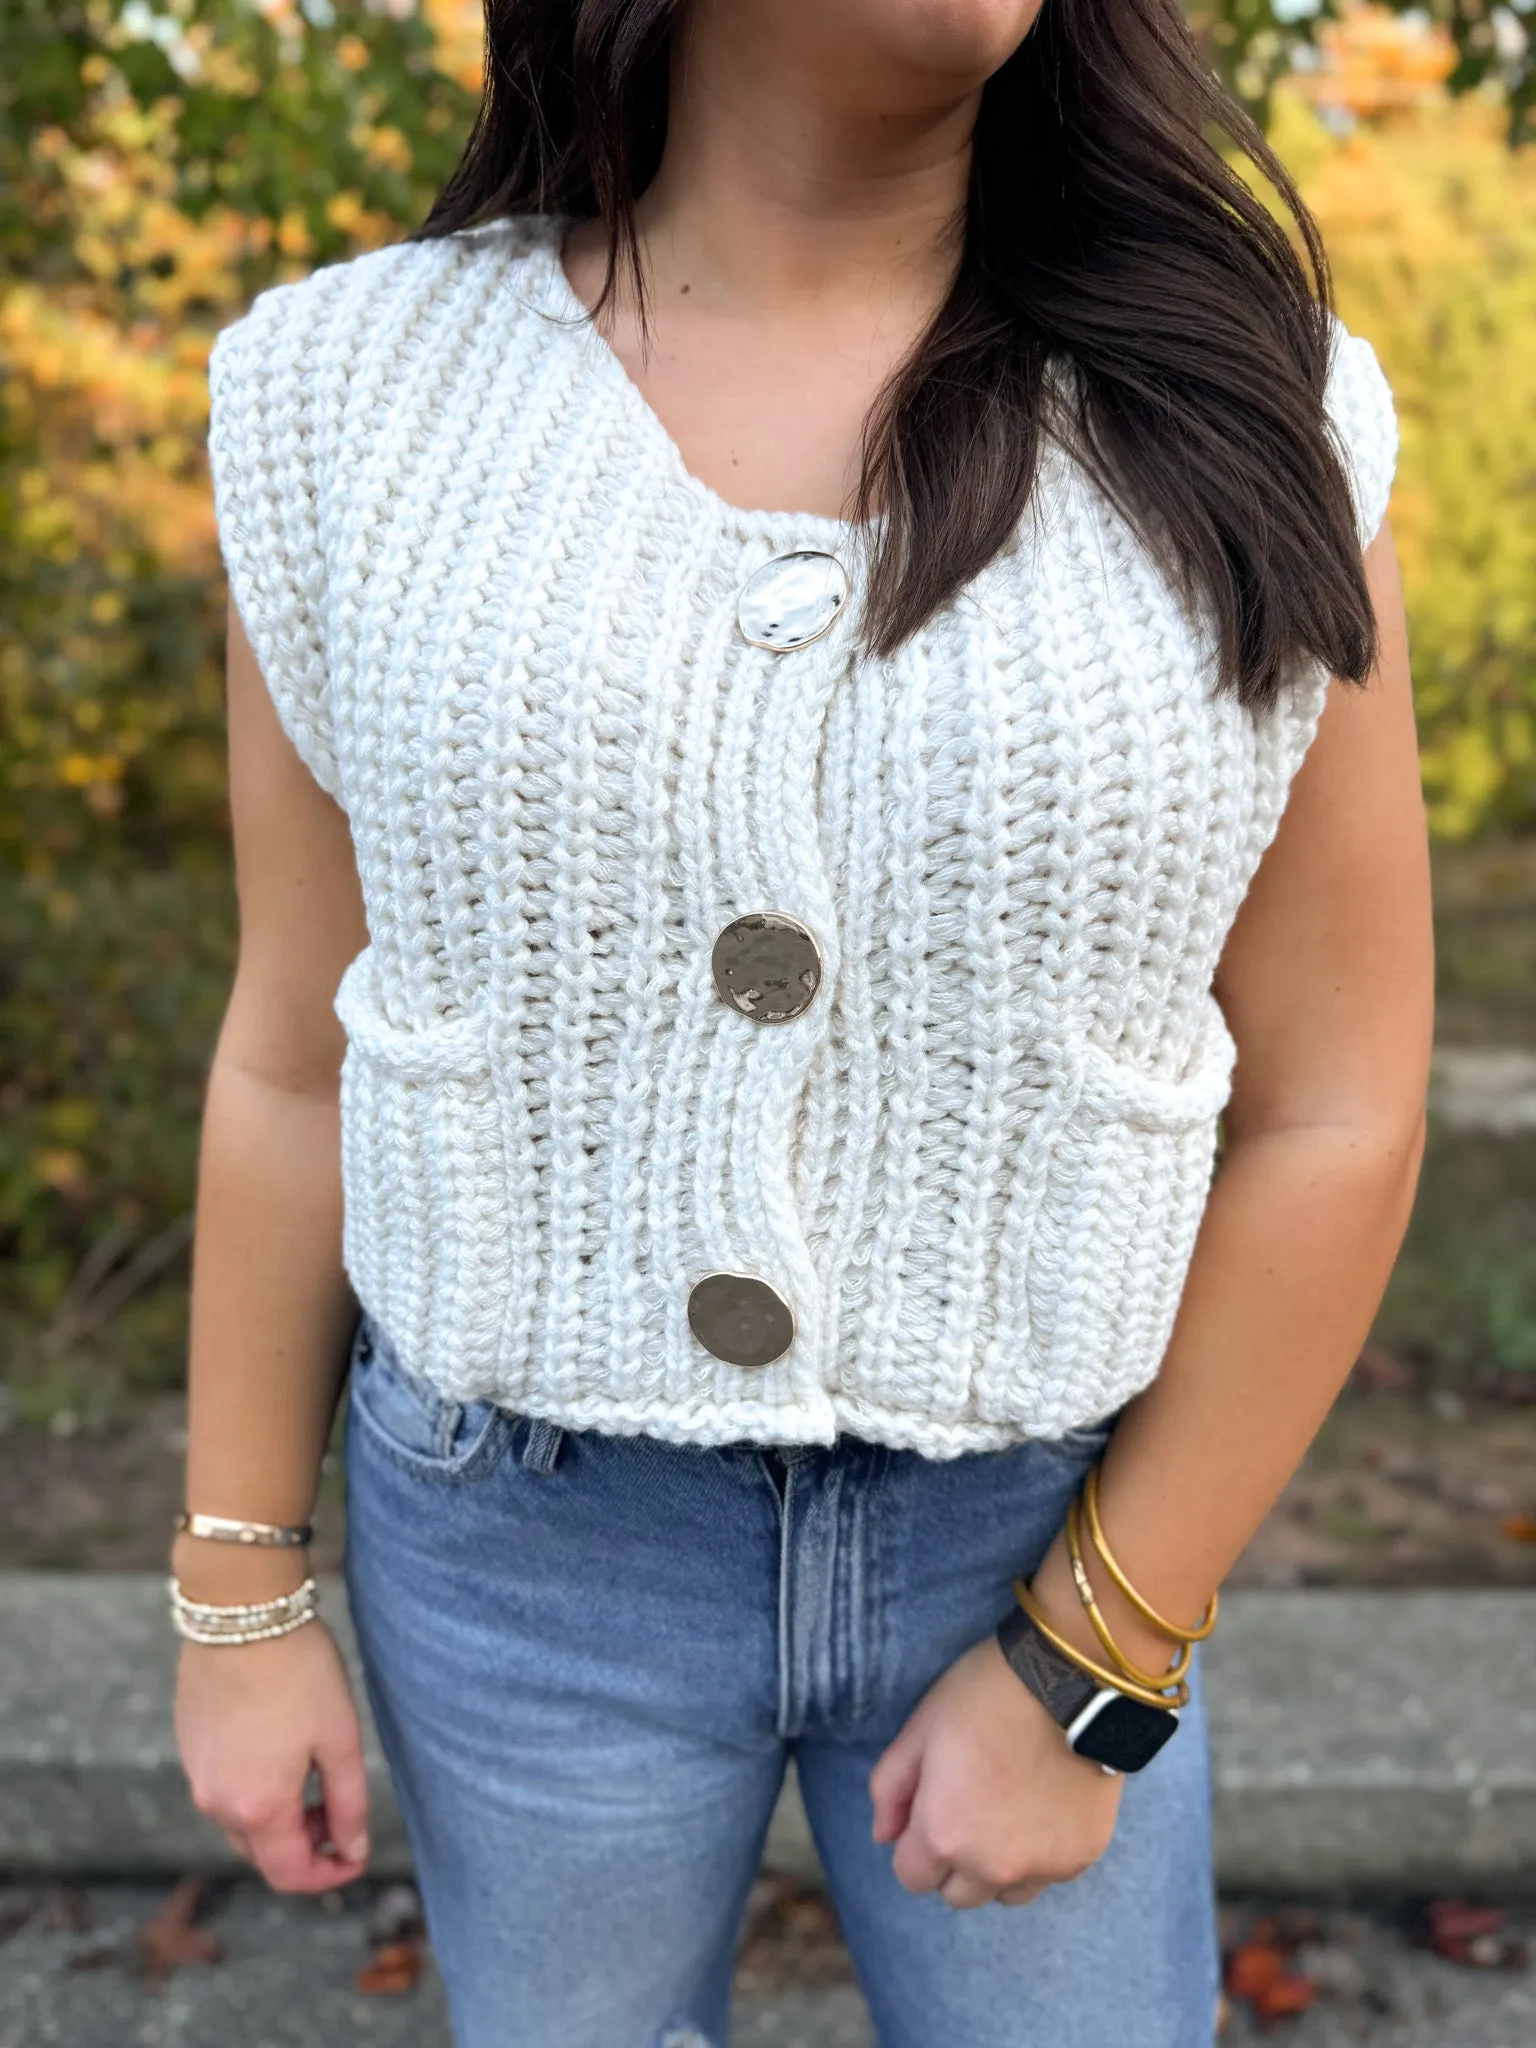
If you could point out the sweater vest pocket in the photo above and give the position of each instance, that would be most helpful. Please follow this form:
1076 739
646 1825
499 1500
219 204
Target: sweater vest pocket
1124 1186
426 1239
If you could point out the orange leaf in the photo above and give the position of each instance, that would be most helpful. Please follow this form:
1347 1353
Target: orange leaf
395 1968
172 1939
1253 1968
1519 1528
1285 1996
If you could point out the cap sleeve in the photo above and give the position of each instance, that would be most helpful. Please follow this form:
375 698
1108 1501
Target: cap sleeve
263 455
1359 405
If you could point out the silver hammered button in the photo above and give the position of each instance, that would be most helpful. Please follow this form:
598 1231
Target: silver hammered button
740 1319
766 965
792 600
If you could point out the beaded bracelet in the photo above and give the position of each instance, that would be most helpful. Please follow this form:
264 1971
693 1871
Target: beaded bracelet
199 1621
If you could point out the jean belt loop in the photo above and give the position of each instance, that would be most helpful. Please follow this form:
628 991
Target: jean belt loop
546 1440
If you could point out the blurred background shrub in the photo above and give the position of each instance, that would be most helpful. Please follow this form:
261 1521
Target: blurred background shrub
159 163
161 160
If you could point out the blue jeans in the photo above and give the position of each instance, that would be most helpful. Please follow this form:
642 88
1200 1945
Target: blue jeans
589 1657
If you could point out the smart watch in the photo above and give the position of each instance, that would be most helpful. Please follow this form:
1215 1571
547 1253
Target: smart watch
1108 1727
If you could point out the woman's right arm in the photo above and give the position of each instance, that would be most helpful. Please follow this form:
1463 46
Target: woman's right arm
271 1315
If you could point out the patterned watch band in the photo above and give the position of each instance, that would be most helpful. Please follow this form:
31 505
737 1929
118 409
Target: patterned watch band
1056 1682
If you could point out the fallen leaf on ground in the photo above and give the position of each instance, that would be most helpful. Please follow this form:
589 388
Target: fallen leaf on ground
1459 1920
396 1967
1477 1937
790 1935
65 1910
1252 1968
16 1909
1519 1528
173 1939
1483 1951
1259 1970
1284 1998
94 1959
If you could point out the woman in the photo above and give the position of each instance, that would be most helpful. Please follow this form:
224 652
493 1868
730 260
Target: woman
817 670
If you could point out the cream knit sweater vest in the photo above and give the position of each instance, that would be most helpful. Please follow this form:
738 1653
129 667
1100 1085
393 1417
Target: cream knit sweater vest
498 619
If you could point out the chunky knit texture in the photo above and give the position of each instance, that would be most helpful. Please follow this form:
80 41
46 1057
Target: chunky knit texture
498 620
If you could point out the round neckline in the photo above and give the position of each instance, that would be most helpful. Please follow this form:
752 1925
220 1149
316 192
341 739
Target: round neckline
785 532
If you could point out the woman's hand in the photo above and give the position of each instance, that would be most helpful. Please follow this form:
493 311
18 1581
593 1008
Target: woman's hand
252 1722
981 1795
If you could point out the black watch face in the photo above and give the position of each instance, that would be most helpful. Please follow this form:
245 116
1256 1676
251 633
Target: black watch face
1125 1734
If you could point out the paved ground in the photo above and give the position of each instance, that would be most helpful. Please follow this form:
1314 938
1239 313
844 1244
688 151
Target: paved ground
286 1981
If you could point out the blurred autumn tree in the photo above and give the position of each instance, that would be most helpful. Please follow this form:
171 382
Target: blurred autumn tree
1255 44
161 160
1430 221
158 165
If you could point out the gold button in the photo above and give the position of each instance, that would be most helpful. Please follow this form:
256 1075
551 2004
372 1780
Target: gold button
767 966
740 1318
792 600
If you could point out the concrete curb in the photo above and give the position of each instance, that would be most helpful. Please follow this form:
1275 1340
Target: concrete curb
1359 1739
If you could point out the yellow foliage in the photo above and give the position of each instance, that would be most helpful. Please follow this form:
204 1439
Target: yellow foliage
73 1117
86 383
366 228
59 1168
111 385
1430 222
384 145
293 235
1372 61
458 27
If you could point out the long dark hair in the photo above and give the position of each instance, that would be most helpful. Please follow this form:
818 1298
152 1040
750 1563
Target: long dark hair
1107 236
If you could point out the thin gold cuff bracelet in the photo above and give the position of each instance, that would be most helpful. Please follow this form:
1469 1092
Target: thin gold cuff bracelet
263 1535
1148 1613
1172 1674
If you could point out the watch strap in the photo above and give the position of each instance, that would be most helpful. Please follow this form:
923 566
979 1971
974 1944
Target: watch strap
1056 1682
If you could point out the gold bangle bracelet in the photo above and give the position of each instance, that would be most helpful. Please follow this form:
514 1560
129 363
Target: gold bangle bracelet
1114 1680
1148 1613
263 1535
1173 1674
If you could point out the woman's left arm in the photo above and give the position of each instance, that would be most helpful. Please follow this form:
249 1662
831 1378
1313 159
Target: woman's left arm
1326 982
